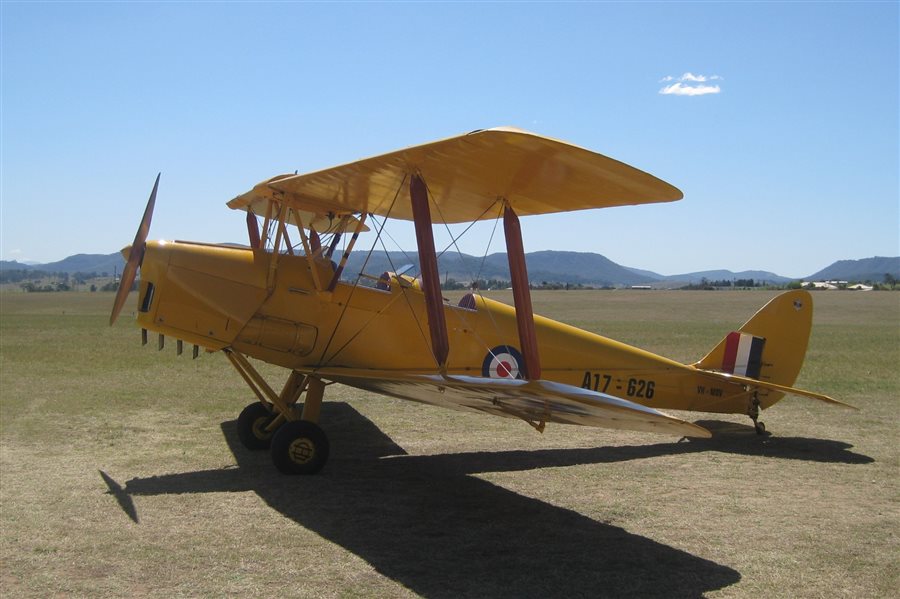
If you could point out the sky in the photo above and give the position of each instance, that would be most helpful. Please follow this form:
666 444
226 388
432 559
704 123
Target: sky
778 121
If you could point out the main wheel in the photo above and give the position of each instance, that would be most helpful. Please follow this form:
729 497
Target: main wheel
299 447
251 426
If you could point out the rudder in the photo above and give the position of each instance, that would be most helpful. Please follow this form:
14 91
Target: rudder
770 346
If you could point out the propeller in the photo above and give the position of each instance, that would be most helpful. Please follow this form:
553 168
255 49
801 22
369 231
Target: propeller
135 256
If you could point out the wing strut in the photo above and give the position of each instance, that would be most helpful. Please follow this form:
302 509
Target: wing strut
515 252
431 279
253 230
340 267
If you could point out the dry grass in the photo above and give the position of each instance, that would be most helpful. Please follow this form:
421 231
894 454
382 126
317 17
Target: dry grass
120 474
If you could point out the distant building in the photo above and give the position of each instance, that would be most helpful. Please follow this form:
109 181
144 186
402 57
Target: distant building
827 285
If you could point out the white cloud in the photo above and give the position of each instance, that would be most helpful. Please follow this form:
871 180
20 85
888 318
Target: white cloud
690 84
679 89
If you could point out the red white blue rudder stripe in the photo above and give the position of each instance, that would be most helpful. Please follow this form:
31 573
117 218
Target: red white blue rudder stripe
743 354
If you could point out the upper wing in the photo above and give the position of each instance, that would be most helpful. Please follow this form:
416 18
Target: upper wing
466 175
533 401
304 214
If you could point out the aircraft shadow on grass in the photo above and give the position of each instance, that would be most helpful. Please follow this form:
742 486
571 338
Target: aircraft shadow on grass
425 523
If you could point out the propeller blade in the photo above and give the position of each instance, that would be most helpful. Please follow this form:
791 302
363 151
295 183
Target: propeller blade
135 256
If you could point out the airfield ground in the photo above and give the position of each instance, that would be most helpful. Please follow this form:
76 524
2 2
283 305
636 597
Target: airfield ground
120 474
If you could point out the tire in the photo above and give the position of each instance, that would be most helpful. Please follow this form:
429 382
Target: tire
251 425
299 447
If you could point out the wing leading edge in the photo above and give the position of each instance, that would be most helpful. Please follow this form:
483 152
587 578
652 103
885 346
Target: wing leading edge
536 402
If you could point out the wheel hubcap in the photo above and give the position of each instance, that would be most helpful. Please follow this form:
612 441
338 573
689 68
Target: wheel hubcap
259 428
302 451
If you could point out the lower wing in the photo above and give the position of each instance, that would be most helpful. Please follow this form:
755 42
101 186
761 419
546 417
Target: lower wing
536 402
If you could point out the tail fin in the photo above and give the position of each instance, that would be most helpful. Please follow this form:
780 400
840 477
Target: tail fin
769 347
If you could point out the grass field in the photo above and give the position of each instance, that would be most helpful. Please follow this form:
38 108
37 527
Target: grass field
121 475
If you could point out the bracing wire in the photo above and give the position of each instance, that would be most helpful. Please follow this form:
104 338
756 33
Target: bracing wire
453 243
356 284
488 248
402 251
478 291
453 239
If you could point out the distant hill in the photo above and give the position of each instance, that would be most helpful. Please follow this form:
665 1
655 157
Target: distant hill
570 267
549 266
867 269
647 273
86 263
13 265
714 275
727 275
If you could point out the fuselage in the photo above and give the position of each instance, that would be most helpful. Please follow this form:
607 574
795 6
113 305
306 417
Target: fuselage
274 308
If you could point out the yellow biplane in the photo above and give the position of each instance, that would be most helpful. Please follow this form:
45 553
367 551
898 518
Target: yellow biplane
283 300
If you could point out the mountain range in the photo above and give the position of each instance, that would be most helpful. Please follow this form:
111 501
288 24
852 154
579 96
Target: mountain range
545 266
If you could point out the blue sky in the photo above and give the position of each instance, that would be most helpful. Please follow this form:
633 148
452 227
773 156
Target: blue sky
791 165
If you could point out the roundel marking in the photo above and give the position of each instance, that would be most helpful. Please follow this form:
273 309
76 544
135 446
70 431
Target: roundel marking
502 362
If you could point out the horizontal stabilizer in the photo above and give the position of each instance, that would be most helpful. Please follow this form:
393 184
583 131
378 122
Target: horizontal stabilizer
753 383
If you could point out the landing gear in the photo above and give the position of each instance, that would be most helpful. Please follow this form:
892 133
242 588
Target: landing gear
252 426
278 422
258 422
753 413
300 447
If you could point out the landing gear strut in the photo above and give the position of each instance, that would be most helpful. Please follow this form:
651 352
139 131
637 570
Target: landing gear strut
753 413
279 423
